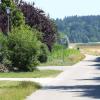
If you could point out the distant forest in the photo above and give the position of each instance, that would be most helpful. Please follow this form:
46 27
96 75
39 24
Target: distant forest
82 29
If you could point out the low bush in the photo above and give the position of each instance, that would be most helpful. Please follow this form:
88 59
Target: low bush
21 49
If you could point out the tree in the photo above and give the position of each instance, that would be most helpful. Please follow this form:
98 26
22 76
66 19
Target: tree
23 13
80 29
17 2
36 18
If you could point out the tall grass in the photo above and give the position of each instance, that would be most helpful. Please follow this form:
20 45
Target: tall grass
63 56
16 90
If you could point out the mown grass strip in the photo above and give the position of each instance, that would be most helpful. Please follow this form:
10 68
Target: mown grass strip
10 90
34 74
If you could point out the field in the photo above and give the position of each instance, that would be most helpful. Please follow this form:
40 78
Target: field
35 74
91 48
10 90
63 57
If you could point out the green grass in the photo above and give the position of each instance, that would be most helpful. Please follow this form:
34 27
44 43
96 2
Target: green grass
10 90
63 57
35 74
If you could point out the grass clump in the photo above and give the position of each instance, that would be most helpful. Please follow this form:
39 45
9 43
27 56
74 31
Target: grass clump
10 90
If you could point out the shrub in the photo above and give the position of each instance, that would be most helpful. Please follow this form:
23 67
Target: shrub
21 49
43 56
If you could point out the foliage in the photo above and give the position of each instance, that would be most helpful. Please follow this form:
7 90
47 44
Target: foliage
23 13
80 29
17 2
43 56
16 16
21 49
35 17
10 90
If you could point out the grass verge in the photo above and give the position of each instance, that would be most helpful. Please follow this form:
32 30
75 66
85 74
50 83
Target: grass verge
10 90
35 74
92 49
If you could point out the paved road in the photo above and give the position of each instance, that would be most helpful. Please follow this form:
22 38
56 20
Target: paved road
42 81
79 82
62 68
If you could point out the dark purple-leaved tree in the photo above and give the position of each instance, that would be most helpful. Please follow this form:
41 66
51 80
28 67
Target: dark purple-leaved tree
3 22
36 18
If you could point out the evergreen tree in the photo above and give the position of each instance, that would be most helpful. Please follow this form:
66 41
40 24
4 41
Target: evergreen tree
80 29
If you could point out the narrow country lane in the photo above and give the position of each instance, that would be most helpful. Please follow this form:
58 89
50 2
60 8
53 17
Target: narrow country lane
78 82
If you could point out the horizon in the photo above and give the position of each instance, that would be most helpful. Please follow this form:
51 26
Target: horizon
77 16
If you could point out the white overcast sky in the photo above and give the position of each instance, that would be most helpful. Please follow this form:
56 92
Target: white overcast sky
62 8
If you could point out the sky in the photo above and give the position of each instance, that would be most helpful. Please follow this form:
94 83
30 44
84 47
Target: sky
62 8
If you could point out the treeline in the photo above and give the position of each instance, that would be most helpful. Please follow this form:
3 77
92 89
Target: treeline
80 28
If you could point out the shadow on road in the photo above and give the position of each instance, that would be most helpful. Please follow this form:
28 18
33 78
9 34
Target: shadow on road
93 79
97 63
97 66
96 60
92 91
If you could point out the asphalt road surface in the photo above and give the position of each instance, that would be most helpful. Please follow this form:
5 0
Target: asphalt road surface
78 82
